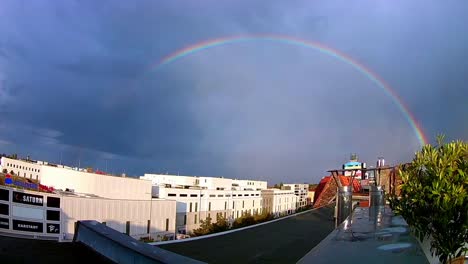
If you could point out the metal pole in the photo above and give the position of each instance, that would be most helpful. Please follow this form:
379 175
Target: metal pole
344 204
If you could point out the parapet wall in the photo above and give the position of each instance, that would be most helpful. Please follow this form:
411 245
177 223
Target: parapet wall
121 248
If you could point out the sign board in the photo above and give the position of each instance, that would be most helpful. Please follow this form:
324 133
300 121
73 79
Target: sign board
53 228
26 198
4 223
28 226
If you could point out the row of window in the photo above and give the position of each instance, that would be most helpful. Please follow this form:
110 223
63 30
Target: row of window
191 207
211 195
22 167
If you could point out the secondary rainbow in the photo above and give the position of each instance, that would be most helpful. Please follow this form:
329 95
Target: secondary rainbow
372 76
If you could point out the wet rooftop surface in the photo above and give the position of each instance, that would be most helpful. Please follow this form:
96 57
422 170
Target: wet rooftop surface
284 241
21 250
377 238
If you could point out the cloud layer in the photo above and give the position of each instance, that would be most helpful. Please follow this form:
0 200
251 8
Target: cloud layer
78 84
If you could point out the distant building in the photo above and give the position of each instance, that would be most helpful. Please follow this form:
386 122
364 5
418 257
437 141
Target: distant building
353 163
279 202
300 190
310 196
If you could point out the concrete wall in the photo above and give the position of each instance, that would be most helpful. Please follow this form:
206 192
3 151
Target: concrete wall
121 248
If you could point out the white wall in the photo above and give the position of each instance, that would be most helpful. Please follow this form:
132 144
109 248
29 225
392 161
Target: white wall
117 212
101 185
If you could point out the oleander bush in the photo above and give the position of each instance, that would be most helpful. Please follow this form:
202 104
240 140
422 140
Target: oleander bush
434 197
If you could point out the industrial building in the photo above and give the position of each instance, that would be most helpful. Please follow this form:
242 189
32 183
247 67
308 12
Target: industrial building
124 204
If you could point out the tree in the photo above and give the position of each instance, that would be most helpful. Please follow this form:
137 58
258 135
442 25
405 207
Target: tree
220 225
205 227
434 197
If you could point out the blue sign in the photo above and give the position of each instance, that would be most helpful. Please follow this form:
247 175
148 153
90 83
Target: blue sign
8 181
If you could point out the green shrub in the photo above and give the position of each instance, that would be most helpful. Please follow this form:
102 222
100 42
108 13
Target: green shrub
434 197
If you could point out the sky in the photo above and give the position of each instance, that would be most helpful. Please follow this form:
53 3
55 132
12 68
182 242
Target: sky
80 84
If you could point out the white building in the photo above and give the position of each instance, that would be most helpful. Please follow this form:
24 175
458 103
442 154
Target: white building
300 190
201 197
22 168
279 202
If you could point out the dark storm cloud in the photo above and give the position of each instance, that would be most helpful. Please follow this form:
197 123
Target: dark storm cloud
77 83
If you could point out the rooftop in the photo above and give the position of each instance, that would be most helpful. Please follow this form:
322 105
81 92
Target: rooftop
382 239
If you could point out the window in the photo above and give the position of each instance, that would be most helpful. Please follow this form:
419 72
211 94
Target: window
127 228
237 214
195 222
183 195
190 207
53 202
225 205
228 195
4 209
246 195
172 194
185 219
220 195
224 214
148 226
167 224
209 216
4 195
232 205
209 206
253 203
53 215
212 195
193 195
243 204
196 207
234 195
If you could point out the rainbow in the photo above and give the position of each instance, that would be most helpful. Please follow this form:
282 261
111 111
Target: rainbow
372 76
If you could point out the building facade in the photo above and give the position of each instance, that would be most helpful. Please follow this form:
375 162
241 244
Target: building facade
279 202
300 190
199 198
